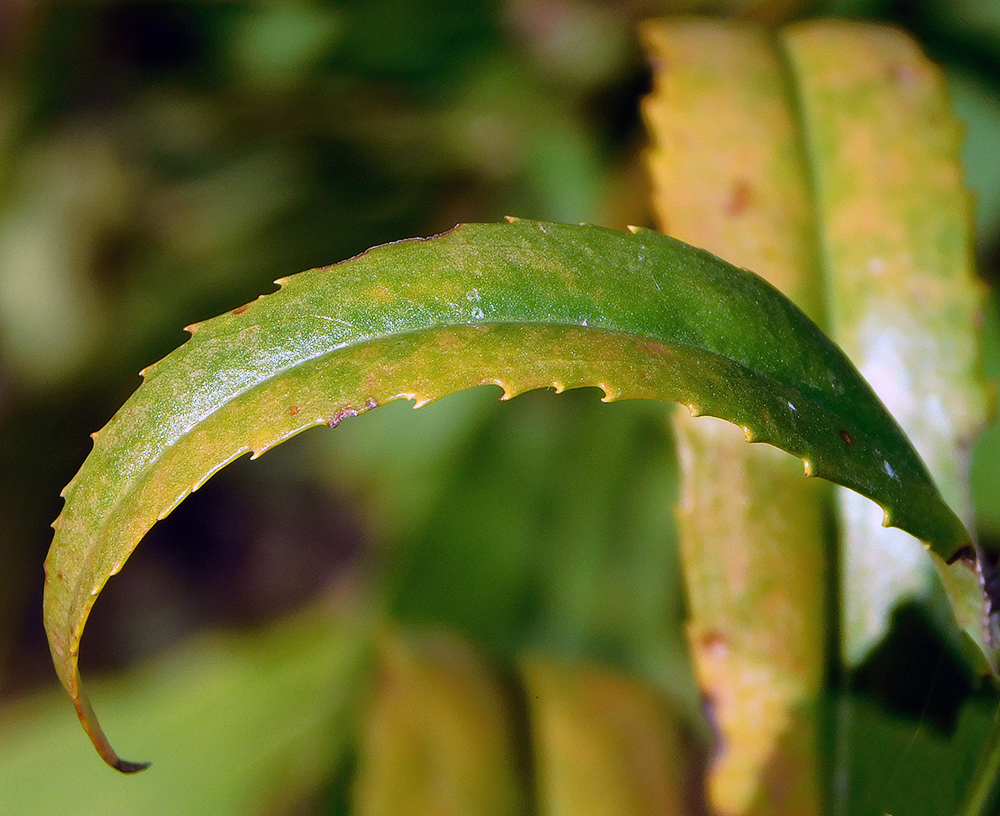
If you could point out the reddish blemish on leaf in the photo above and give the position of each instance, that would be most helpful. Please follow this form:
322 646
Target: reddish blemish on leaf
341 415
715 643
293 410
241 309
741 197
847 438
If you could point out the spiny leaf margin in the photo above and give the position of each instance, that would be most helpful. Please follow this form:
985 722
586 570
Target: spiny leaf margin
523 305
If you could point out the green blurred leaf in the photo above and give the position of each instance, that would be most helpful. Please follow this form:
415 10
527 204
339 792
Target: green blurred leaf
545 523
248 721
524 305
977 105
276 46
889 764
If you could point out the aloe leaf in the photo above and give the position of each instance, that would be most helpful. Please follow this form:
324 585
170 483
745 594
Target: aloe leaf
523 305
894 224
728 175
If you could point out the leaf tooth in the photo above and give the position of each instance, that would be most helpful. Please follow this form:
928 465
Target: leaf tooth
808 467
637 230
886 517
611 392
694 410
509 391
405 395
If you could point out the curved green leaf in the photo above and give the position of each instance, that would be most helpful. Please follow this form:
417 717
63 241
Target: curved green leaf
523 305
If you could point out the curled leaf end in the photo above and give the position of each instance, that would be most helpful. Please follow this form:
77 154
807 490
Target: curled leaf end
127 767
93 728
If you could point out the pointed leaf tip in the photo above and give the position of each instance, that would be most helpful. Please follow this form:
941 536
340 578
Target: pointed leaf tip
97 736
127 767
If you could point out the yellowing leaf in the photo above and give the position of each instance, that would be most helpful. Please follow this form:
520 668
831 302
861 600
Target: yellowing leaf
438 738
605 745
728 175
895 230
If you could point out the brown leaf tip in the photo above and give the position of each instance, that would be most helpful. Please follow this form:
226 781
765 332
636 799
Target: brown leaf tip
127 767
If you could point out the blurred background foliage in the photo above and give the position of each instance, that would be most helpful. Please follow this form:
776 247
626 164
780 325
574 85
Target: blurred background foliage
163 162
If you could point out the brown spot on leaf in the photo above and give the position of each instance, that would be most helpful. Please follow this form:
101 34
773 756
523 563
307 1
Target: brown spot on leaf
655 347
241 309
293 410
847 438
715 643
740 198
340 416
